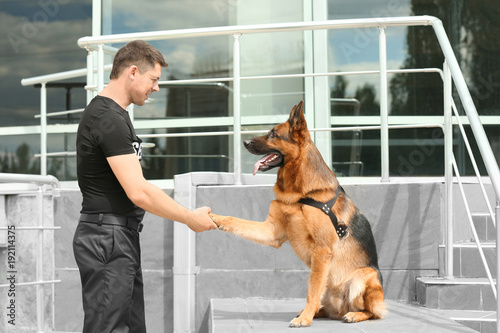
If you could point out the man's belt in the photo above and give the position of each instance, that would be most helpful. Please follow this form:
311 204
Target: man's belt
111 219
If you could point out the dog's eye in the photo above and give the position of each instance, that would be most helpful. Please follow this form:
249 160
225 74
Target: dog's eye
271 134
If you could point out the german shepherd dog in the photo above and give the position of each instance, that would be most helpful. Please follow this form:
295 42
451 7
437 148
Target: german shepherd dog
324 227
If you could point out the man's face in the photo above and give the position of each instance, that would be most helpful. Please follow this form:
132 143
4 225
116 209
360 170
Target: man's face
144 84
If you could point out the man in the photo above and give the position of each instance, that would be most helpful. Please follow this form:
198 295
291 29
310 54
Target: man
116 196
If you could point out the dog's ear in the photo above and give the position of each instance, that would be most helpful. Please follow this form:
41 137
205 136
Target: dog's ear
297 120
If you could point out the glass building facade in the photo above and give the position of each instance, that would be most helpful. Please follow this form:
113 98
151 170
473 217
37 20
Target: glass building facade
42 35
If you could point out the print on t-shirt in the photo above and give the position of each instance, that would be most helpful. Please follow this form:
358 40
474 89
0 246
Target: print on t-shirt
137 145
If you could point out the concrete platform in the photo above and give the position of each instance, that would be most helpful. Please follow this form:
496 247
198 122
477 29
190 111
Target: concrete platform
271 315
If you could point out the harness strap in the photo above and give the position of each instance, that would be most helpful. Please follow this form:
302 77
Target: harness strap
340 228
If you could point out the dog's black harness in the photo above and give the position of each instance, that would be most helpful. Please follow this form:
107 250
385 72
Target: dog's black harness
340 228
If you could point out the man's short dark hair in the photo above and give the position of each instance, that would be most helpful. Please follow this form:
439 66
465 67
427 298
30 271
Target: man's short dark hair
139 53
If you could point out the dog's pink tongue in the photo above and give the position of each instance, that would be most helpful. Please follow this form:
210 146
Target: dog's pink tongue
257 165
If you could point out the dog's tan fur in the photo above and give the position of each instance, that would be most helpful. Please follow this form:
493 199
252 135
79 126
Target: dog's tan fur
344 280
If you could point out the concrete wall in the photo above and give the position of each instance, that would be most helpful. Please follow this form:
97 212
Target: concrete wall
406 218
24 211
406 222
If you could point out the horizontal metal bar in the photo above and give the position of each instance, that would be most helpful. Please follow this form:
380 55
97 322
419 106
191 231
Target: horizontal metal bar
303 75
31 179
53 77
367 72
32 228
333 129
195 81
177 135
225 121
30 283
348 163
61 113
376 127
346 101
58 154
91 41
81 72
188 156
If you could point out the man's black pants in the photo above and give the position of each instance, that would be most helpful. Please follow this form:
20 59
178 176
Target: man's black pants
109 260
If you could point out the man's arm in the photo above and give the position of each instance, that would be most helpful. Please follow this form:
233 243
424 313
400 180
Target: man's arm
149 197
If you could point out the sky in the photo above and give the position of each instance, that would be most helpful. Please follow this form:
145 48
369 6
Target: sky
38 37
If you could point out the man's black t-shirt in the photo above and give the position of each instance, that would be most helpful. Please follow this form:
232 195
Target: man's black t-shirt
105 130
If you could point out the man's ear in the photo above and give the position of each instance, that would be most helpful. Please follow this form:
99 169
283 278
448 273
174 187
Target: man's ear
132 70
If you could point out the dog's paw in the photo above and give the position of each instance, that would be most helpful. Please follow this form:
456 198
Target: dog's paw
354 317
218 220
300 322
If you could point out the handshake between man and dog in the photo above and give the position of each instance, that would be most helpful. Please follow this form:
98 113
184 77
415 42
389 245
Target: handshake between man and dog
324 227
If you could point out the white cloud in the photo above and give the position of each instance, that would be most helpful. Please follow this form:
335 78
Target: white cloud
183 57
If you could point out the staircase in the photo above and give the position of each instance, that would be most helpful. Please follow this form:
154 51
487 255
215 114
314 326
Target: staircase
467 297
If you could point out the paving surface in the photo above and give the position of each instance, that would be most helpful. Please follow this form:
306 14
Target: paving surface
270 315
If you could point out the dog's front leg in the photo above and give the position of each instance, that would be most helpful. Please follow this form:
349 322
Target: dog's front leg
321 261
267 233
271 232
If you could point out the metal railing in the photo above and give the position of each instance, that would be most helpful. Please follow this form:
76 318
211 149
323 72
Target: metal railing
451 73
38 187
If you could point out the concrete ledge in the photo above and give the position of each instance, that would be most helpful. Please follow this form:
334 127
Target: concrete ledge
271 315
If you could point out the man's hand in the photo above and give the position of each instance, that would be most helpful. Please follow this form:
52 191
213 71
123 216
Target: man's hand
201 221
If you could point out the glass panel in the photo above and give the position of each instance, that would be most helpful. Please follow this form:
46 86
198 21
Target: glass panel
416 152
356 153
166 157
462 156
40 39
470 27
17 154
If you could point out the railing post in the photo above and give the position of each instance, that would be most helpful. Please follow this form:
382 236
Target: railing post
90 76
497 224
43 129
184 269
39 262
448 170
236 109
100 68
384 118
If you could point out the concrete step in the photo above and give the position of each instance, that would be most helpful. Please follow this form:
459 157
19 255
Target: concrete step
481 321
273 315
455 294
467 261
